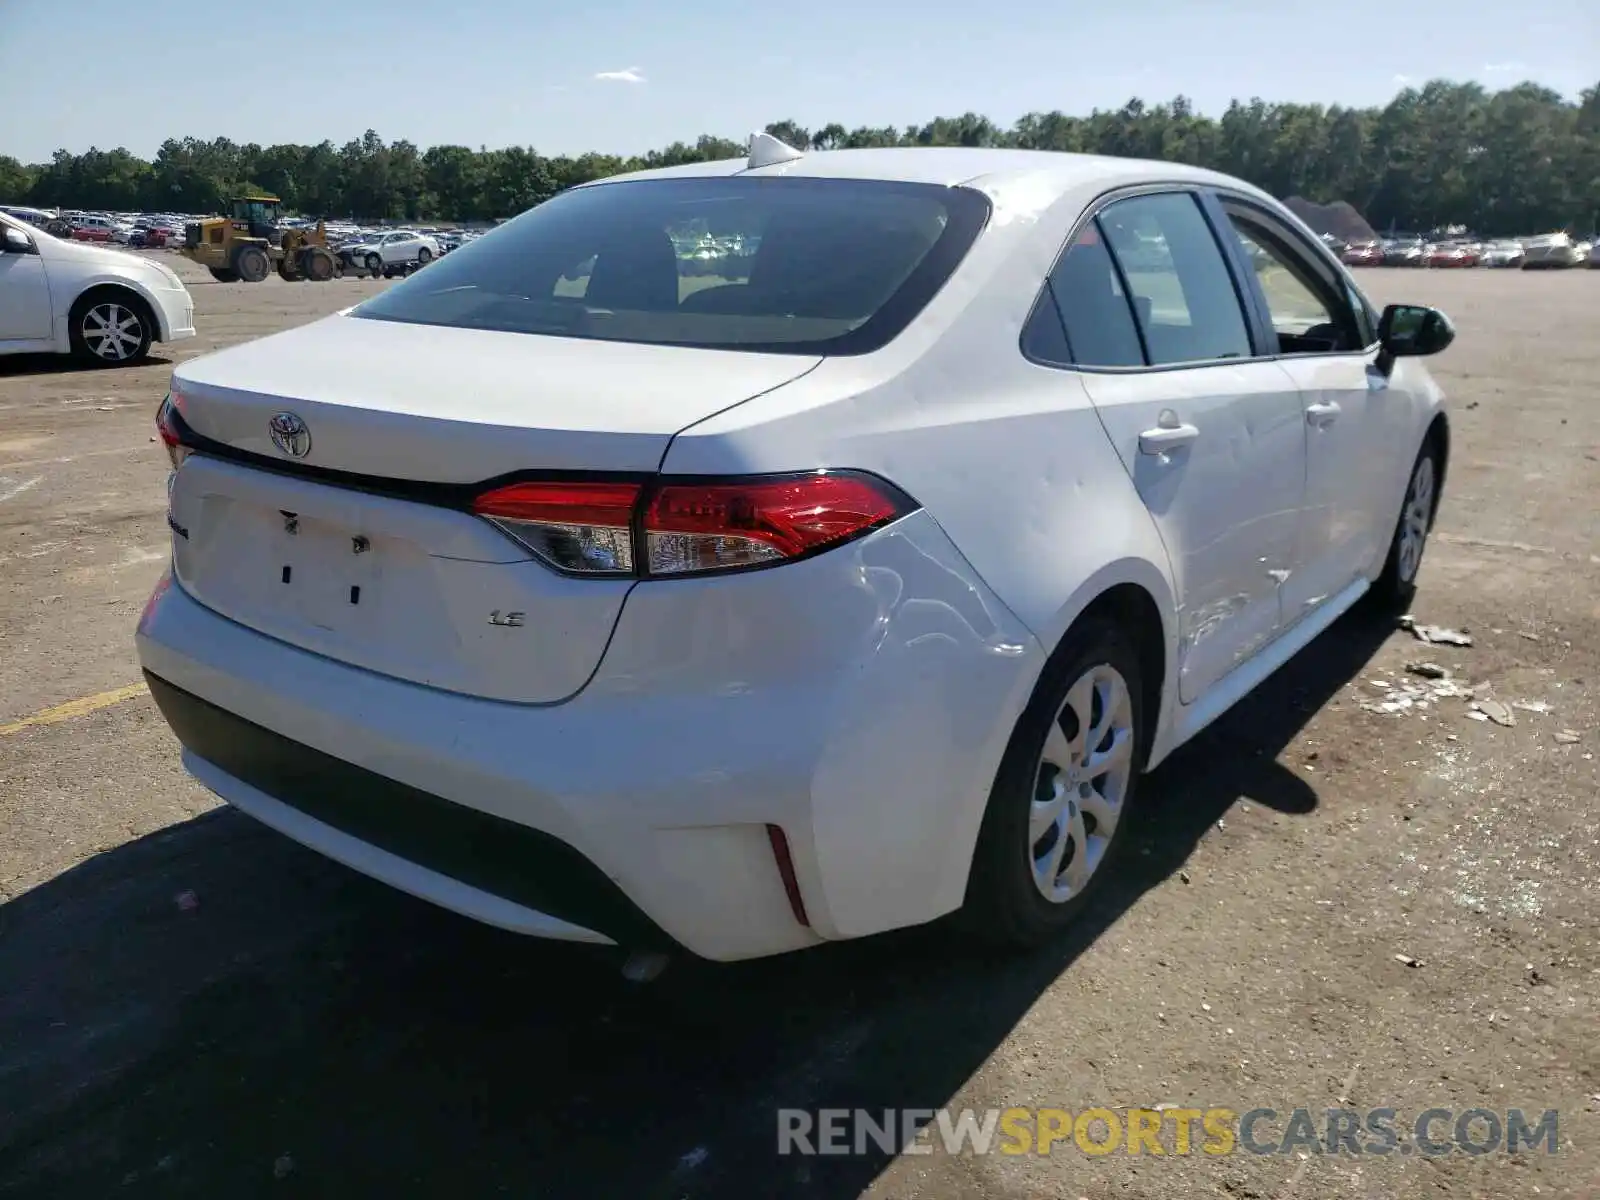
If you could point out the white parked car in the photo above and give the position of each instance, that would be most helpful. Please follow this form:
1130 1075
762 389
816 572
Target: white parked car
389 250
601 600
106 306
1553 251
1503 253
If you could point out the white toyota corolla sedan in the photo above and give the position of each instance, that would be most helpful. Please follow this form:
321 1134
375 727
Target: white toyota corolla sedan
599 593
105 306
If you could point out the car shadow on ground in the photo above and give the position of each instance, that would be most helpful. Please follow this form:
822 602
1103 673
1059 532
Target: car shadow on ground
213 1011
17 366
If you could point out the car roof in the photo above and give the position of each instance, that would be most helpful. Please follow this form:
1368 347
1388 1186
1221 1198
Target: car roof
949 166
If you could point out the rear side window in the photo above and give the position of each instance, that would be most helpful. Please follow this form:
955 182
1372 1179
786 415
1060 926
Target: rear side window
1183 295
800 266
1094 308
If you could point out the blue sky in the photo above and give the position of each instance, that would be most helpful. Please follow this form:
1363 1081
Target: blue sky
626 75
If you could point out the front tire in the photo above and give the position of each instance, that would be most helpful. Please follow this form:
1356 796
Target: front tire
318 265
1058 815
111 328
1397 585
424 256
374 265
224 274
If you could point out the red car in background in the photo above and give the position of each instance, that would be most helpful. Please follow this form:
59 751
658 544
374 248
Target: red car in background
1452 254
1363 254
91 229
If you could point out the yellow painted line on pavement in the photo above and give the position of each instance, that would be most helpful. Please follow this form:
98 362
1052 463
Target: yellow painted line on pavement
75 708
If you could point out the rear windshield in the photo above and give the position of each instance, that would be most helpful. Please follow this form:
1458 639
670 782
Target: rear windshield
800 266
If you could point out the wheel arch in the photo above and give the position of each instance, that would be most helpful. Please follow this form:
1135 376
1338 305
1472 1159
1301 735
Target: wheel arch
1138 596
1134 610
1125 596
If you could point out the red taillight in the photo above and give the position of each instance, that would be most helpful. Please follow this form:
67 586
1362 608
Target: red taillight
585 528
171 438
744 523
589 528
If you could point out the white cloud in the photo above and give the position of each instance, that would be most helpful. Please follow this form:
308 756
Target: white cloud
1504 68
626 75
1402 80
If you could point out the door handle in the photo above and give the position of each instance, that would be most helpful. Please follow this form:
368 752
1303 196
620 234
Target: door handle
1165 438
1323 414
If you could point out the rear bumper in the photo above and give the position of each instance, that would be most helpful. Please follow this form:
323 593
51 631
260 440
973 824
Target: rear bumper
859 701
499 871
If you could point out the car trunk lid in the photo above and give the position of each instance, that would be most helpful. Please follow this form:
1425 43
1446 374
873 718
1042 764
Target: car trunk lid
418 402
362 547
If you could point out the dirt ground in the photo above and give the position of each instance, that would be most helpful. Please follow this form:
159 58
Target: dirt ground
190 1005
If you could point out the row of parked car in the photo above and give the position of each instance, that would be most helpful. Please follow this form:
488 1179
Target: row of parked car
387 251
379 250
1550 251
67 286
137 230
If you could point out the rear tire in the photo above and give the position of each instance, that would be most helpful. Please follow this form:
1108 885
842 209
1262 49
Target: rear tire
374 265
1396 587
1063 798
424 256
252 263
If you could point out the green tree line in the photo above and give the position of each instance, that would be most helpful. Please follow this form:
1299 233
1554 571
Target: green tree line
1520 160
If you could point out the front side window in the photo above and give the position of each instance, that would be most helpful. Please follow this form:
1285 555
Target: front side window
790 265
1366 318
1306 315
1183 295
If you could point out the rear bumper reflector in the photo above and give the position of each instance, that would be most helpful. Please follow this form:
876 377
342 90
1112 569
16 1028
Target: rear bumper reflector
791 884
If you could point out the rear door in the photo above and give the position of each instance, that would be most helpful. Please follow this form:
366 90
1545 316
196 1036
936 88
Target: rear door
1210 434
1356 431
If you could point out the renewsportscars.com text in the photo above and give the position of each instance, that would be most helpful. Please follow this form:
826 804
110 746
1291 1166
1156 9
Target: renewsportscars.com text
1168 1130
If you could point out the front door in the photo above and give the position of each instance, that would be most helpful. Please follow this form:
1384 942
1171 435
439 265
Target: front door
24 298
1353 428
1210 435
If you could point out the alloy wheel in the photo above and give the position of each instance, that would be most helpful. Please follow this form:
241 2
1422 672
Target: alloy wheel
112 331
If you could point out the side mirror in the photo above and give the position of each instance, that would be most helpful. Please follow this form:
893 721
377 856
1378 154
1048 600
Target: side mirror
17 242
1412 331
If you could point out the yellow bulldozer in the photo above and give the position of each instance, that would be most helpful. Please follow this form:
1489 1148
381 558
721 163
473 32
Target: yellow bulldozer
249 243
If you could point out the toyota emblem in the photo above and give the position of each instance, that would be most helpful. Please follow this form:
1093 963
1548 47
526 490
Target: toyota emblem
289 434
